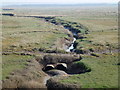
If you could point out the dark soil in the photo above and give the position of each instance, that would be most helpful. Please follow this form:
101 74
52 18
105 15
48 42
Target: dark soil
59 58
56 72
53 83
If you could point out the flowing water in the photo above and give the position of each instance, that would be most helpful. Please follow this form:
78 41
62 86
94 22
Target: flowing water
71 48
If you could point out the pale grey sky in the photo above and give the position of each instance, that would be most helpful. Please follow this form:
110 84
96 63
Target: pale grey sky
60 1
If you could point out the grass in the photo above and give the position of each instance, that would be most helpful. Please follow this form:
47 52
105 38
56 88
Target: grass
12 63
26 34
104 73
21 33
99 41
101 22
103 37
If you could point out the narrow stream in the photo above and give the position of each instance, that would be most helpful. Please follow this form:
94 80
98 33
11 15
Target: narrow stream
71 47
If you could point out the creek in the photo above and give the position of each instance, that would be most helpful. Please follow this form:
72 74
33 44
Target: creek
71 47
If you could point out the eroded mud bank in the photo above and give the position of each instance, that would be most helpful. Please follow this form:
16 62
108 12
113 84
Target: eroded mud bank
68 67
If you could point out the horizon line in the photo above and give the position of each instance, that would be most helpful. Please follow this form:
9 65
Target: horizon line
30 3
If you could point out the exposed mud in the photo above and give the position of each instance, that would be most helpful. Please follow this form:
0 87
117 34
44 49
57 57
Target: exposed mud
53 83
64 66
56 72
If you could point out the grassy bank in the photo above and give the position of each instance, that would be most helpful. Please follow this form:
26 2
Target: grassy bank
104 73
13 63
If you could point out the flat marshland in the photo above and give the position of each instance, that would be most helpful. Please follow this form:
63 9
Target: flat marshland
26 40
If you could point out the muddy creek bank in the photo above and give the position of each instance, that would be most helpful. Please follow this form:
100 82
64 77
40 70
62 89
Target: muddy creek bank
60 65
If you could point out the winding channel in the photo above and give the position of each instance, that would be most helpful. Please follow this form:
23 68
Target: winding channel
71 47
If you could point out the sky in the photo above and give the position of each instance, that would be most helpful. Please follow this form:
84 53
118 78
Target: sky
58 1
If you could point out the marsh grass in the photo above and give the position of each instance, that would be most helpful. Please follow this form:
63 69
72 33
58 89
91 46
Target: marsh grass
24 33
12 63
21 33
104 73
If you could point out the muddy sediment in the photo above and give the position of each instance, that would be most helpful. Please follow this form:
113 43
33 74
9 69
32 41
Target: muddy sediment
59 62
60 58
54 83
56 74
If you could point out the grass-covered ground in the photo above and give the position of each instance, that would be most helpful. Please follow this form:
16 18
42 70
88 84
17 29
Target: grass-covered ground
13 63
100 20
21 34
29 34
33 34
102 24
104 72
